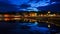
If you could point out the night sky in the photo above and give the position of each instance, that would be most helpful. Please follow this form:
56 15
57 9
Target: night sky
29 5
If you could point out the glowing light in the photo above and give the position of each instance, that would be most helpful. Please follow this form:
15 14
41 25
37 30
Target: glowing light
1 19
44 15
17 16
1 15
49 12
46 21
36 23
51 15
33 14
41 15
16 19
6 15
6 19
49 26
54 14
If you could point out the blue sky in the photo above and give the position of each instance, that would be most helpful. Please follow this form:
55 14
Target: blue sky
17 5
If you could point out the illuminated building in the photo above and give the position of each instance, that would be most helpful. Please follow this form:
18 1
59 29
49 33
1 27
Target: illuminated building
1 19
32 20
45 15
6 15
16 18
49 12
32 14
46 21
1 15
25 19
41 15
25 14
6 19
52 15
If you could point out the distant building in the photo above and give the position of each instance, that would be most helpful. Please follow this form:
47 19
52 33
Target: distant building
32 14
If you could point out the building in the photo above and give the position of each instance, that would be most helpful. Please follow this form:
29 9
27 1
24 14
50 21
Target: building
33 14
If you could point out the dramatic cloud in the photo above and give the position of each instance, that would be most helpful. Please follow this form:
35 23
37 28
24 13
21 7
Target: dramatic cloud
26 5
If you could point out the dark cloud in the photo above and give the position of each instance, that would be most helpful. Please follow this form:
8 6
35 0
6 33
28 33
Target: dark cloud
6 6
24 6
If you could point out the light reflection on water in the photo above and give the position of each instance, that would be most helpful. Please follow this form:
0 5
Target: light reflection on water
33 28
17 28
24 28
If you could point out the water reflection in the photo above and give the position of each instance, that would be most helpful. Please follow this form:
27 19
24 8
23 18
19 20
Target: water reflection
29 19
14 28
17 27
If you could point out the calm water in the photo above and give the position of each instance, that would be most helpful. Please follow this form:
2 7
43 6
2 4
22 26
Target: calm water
25 28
